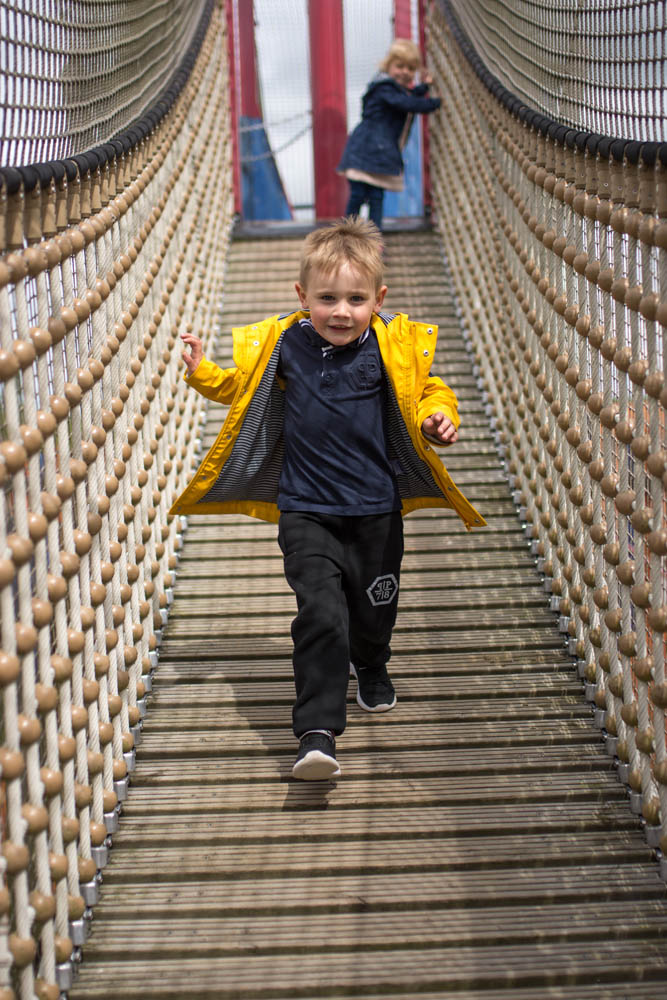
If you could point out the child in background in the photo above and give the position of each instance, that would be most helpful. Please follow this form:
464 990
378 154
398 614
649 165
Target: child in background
372 160
330 432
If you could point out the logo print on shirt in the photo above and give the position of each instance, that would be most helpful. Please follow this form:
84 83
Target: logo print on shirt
365 375
383 590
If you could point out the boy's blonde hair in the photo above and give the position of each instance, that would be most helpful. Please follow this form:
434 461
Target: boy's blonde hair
352 241
405 50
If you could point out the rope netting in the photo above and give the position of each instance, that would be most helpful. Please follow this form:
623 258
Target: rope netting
597 65
557 244
77 72
105 260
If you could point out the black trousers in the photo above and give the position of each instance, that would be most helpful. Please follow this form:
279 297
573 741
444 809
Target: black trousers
345 573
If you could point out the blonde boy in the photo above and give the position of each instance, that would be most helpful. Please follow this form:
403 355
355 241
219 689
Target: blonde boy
329 433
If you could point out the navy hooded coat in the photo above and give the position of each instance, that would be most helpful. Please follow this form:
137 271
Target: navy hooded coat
374 145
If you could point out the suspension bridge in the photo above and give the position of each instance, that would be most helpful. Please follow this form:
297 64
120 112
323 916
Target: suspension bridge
502 833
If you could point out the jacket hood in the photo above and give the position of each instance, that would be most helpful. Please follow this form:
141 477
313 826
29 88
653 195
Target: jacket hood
382 77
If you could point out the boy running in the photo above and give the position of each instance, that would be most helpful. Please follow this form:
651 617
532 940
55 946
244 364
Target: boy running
330 432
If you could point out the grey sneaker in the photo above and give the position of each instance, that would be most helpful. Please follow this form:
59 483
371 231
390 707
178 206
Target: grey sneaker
375 692
316 759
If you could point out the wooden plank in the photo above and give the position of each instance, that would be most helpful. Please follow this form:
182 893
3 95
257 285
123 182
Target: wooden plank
217 530
448 632
433 547
176 663
209 713
354 931
617 990
464 821
244 715
342 795
411 606
388 892
262 615
384 855
204 769
226 645
532 732
220 690
269 561
411 582
326 970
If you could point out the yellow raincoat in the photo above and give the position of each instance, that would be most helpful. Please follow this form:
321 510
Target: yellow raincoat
240 473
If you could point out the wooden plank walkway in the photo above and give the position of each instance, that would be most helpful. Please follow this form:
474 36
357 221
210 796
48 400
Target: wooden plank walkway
479 843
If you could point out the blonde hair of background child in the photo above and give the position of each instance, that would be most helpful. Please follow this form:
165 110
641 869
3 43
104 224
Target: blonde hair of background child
353 241
405 50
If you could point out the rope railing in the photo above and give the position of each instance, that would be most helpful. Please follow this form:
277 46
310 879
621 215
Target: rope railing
106 258
556 241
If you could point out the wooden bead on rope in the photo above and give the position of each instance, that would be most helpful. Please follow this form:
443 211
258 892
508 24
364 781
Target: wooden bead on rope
67 745
76 907
10 668
23 950
109 800
83 795
17 857
70 829
46 991
52 781
43 905
63 948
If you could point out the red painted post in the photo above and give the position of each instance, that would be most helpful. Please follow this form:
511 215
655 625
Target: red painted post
232 42
426 168
402 19
327 81
250 106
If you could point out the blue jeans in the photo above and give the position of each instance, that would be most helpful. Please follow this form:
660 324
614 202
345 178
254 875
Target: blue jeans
362 193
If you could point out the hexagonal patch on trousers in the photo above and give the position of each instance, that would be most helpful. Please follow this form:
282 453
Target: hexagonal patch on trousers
383 590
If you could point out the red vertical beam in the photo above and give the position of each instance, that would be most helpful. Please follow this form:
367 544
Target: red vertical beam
426 159
233 104
250 106
402 19
327 81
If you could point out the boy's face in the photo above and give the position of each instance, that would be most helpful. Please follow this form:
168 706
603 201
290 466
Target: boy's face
341 303
401 72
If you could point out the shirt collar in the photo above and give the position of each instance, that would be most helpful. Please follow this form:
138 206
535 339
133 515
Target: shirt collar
314 338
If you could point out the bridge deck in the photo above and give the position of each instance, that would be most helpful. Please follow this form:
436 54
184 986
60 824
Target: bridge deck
478 844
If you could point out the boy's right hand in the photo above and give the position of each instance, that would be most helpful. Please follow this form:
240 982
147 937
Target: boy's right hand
195 354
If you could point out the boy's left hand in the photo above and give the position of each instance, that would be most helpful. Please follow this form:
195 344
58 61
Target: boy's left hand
440 428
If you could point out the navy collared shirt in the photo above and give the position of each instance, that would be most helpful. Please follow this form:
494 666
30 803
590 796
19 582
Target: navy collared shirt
336 458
